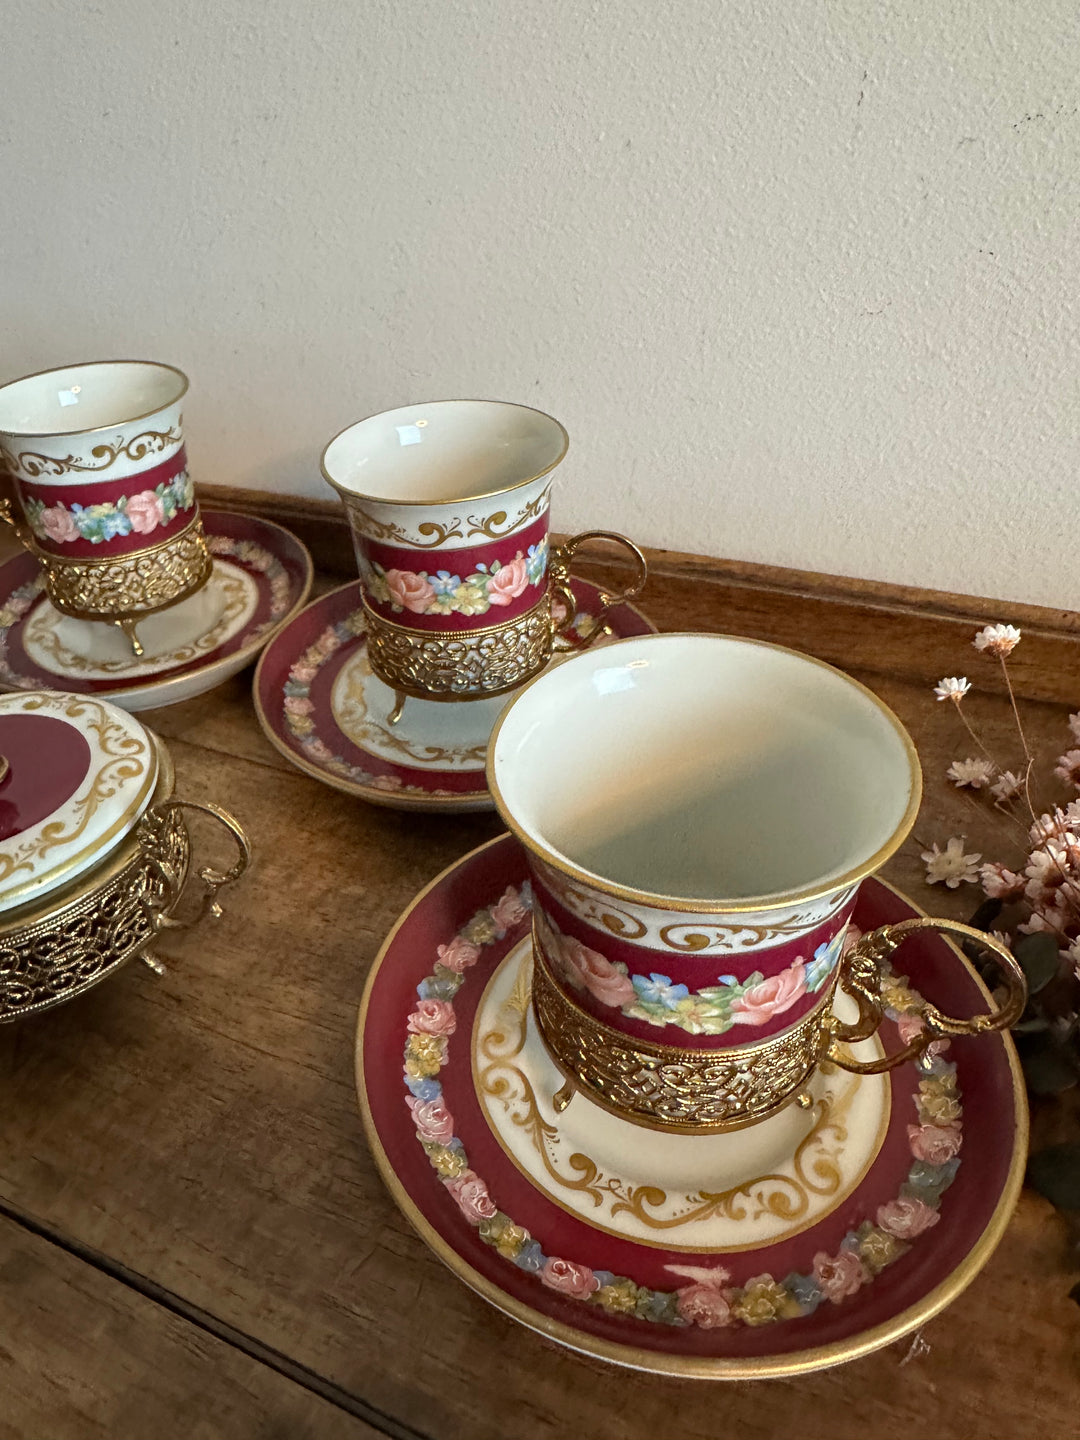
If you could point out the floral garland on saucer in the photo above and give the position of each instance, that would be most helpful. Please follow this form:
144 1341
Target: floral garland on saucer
142 513
708 1300
265 562
14 608
713 1010
439 592
298 709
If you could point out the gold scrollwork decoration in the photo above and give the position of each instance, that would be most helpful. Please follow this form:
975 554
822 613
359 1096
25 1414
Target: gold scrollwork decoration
460 664
432 532
494 527
150 442
129 584
354 719
686 936
42 633
815 1165
691 937
126 758
690 1091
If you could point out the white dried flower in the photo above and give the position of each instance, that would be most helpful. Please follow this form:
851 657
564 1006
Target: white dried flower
1068 768
973 773
953 687
1072 954
1053 826
1043 920
1074 724
951 865
1000 883
1006 786
999 640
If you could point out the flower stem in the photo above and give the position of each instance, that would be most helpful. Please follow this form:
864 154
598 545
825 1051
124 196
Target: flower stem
1023 738
971 732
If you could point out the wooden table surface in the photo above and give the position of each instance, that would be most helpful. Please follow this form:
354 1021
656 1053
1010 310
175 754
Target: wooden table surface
194 1241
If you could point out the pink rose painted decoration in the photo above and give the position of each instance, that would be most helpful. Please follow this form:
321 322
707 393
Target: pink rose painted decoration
508 582
654 998
433 1017
459 954
58 524
937 1144
145 511
771 997
704 1305
492 584
409 591
472 1197
509 910
433 1121
569 1278
138 514
709 1301
839 1276
905 1217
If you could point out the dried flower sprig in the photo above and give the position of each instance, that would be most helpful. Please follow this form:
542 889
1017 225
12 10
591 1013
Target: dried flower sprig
1036 892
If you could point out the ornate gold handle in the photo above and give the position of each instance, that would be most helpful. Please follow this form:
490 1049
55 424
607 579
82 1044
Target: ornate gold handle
212 879
860 977
560 576
9 519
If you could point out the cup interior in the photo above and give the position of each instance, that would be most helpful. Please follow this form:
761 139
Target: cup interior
444 452
704 768
88 397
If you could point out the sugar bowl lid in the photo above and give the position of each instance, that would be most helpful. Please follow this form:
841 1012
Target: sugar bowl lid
75 776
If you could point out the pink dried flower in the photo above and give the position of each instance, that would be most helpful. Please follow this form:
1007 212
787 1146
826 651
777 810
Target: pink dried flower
951 865
973 773
1000 883
953 687
1006 786
1052 826
999 640
1068 768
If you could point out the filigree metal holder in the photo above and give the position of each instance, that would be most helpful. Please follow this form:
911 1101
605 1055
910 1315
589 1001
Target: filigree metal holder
52 951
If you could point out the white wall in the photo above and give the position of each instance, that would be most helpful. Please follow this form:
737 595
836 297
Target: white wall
799 278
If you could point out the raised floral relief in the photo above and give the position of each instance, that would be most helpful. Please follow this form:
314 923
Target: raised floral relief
139 514
711 1011
708 1299
440 592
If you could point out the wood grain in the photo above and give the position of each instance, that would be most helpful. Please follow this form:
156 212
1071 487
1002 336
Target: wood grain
85 1355
201 1131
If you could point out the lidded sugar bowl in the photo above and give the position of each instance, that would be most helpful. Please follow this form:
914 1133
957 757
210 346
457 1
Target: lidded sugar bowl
94 848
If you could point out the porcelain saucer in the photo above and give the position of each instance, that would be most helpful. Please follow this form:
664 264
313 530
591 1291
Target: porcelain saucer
322 707
261 577
799 1243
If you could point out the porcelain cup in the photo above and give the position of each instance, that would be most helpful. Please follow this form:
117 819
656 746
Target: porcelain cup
698 812
96 456
448 505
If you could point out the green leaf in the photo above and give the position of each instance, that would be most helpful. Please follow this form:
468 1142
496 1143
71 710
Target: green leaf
1038 957
1048 1069
1055 1173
